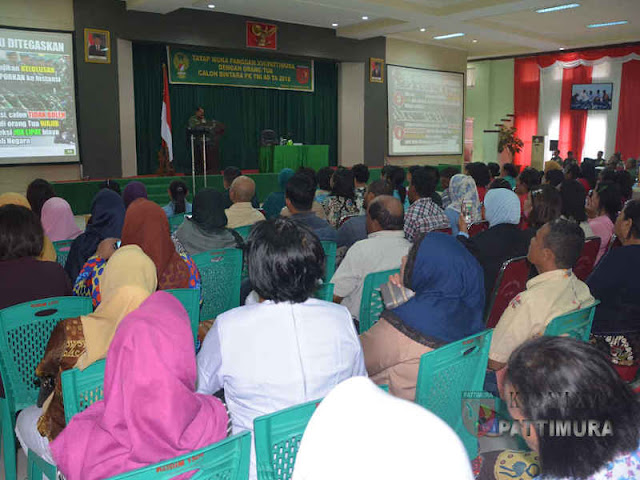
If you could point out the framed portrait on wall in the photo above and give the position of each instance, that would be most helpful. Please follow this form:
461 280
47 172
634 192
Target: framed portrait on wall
97 46
376 70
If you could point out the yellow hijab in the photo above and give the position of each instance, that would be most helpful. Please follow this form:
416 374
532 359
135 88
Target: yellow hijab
48 252
129 278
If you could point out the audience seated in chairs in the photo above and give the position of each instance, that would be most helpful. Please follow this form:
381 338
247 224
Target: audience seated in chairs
150 410
275 202
395 176
447 306
555 291
206 228
462 190
178 194
242 212
38 192
229 174
58 221
147 226
383 249
573 198
341 202
22 276
510 174
528 179
342 443
554 177
481 176
132 192
287 349
361 177
558 381
602 208
316 207
445 179
324 184
355 228
616 326
129 278
543 205
502 241
423 215
299 195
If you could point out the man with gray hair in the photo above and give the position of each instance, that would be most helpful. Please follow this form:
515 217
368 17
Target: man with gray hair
242 213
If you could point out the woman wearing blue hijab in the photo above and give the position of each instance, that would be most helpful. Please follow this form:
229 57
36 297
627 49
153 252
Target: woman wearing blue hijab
275 202
447 306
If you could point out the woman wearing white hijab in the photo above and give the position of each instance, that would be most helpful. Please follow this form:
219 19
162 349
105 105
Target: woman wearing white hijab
359 431
462 188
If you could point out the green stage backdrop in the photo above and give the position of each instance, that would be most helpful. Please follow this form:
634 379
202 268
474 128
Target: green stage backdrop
310 117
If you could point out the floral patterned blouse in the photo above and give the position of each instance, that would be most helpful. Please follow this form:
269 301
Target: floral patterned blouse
335 208
624 467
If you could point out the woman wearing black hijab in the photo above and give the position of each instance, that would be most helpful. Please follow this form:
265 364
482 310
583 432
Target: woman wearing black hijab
206 229
107 218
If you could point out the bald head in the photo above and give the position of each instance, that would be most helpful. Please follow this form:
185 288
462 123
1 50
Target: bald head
242 189
385 213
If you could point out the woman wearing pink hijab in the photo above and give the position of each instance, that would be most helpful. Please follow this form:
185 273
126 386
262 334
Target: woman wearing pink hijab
57 220
150 410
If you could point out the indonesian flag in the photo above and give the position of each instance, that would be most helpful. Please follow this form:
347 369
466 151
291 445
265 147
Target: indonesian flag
165 118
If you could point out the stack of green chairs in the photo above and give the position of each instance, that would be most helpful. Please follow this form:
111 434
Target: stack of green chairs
371 304
574 324
62 251
175 221
24 333
221 272
190 299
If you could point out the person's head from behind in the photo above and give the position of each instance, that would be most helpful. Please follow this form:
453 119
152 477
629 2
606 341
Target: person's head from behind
528 179
242 189
627 227
573 198
553 177
605 199
111 185
557 245
285 260
178 193
543 205
500 183
375 189
324 178
299 193
38 192
445 176
501 206
342 184
494 169
588 172
229 174
310 173
568 382
509 170
21 233
360 174
133 191
572 172
385 213
423 184
479 172
283 177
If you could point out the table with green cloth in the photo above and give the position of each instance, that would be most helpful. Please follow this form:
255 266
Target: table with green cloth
276 157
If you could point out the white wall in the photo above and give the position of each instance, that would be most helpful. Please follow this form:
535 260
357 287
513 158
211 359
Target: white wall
127 109
351 113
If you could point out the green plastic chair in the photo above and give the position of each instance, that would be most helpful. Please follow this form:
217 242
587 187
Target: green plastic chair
175 221
243 231
24 333
574 324
62 250
330 254
445 374
221 272
371 305
277 436
325 292
190 299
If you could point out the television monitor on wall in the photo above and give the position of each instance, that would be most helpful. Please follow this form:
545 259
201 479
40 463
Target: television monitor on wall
591 96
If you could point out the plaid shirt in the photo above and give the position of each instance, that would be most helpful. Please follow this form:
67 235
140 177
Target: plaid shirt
423 216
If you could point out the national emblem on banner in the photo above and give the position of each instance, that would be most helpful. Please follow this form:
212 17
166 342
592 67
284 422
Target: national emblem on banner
302 74
262 35
181 64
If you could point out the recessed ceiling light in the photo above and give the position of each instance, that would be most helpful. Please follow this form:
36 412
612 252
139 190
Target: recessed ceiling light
475 41
334 24
365 17
211 5
566 6
561 48
608 24
451 35
423 29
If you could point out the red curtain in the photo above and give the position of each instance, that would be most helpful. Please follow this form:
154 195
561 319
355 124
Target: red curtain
573 123
628 132
526 101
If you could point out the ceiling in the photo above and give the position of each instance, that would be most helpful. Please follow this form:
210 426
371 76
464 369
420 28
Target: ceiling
491 27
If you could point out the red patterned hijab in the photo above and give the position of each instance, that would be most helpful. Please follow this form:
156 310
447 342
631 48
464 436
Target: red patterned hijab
147 226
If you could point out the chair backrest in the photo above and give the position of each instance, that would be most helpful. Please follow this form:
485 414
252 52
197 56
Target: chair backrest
584 265
371 304
175 221
243 231
62 250
24 333
447 230
330 249
227 459
221 271
190 299
477 227
445 374
82 388
277 438
325 292
614 243
573 324
511 280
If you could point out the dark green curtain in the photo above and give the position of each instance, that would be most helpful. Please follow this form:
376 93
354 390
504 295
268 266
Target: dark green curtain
311 118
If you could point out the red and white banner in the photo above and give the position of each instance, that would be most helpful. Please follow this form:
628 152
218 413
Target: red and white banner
542 102
165 117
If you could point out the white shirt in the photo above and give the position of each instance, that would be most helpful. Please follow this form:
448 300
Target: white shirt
378 252
271 356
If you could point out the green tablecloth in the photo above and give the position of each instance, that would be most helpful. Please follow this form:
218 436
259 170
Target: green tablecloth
275 158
